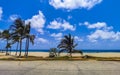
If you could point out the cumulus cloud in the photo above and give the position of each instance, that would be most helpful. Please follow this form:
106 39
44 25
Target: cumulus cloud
78 38
102 31
42 40
1 12
74 4
57 36
58 24
37 22
98 25
102 34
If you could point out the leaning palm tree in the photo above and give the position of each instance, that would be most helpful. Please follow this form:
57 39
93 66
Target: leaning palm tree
68 44
18 29
6 36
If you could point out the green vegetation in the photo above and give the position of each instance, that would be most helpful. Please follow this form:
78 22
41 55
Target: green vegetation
61 58
19 31
68 44
15 34
6 35
53 52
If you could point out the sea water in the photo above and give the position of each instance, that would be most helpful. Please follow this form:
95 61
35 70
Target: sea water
84 50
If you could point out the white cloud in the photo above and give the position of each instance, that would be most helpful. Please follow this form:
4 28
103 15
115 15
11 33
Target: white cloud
37 22
13 17
58 24
102 32
98 25
74 4
57 36
1 12
78 38
42 40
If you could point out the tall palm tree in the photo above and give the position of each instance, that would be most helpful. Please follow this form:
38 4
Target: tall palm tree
18 29
28 37
27 34
6 36
68 44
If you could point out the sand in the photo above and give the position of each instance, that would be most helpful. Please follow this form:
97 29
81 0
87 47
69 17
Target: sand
46 54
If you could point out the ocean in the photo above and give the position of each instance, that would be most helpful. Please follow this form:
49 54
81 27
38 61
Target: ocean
85 51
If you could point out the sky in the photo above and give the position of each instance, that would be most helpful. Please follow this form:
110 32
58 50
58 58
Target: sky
93 23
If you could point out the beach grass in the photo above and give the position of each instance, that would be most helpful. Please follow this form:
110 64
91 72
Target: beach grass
41 56
64 58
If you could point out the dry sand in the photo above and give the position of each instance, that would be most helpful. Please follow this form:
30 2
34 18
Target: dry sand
46 54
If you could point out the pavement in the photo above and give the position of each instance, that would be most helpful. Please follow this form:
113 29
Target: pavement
59 68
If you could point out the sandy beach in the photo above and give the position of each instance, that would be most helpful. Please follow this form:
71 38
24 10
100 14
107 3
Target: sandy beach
46 54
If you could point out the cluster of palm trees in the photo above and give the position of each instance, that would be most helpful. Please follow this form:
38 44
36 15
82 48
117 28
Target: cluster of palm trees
19 30
15 35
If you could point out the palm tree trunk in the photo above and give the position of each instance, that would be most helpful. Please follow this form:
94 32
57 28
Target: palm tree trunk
17 48
7 48
70 52
10 50
20 47
27 47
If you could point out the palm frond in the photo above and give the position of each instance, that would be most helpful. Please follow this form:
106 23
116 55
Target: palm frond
32 37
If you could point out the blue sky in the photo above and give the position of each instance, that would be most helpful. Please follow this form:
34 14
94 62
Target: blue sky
93 23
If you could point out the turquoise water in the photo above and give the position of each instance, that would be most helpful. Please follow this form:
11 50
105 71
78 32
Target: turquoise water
86 51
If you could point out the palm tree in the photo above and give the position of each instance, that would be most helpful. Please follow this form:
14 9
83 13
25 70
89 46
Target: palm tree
68 44
15 39
18 29
8 46
6 36
28 37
